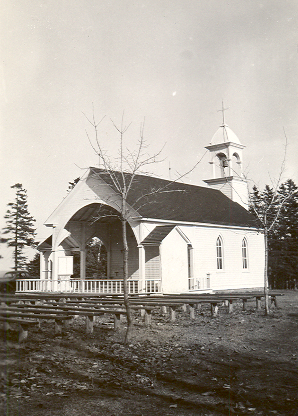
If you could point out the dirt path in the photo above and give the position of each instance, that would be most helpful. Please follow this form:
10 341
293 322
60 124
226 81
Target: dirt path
243 363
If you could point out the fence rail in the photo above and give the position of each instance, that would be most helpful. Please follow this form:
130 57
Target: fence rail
85 286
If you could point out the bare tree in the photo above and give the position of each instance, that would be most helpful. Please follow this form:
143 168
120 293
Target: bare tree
267 207
134 162
122 175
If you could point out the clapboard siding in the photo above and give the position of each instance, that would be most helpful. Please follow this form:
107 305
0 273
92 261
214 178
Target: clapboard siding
133 259
174 263
152 262
233 275
169 261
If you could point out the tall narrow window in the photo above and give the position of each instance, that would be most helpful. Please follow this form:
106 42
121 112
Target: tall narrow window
244 254
219 254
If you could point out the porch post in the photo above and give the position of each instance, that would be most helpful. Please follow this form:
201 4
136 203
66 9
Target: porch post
108 264
83 263
44 265
142 277
83 252
54 253
108 248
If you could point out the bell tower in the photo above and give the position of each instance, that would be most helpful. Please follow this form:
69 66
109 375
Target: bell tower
226 160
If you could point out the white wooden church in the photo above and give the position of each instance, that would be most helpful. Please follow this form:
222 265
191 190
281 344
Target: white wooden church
190 238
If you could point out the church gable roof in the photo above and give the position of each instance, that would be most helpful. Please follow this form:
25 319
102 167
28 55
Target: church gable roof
175 201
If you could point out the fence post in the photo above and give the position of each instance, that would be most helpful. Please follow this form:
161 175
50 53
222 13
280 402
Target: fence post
89 324
191 311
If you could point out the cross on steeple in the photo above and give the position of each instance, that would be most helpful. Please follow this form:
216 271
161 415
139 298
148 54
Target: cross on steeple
223 112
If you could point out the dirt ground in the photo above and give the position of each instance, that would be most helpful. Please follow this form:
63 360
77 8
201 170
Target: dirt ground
238 364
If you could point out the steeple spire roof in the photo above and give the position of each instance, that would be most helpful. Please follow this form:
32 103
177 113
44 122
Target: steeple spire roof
224 135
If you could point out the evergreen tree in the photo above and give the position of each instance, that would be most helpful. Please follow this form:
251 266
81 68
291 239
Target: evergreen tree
96 260
264 203
33 266
277 212
284 242
19 226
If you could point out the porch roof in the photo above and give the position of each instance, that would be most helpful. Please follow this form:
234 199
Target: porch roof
45 244
157 235
175 201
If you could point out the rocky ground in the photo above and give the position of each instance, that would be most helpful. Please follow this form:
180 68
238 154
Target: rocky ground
238 364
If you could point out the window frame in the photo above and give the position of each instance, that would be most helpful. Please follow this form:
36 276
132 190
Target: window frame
219 254
190 265
244 254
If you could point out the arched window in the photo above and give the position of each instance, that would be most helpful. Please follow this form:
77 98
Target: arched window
223 164
244 254
236 162
219 253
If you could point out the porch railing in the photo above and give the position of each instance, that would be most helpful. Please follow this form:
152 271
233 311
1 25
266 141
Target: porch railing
152 286
85 286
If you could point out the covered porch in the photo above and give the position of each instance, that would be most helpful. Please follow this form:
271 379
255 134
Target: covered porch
64 256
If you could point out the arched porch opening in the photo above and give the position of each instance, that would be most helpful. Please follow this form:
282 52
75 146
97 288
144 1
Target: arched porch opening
97 231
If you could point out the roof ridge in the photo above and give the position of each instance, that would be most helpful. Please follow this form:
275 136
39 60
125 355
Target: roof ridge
169 181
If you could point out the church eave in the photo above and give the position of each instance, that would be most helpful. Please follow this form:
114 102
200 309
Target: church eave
224 179
224 145
201 224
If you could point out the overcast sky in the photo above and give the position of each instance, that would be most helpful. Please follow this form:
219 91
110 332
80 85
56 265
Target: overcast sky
171 62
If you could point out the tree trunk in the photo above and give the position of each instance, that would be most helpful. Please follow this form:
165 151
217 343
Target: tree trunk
16 234
266 293
16 255
125 279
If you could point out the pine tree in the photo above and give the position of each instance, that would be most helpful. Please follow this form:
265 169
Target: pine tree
264 203
284 242
19 226
33 266
277 211
96 260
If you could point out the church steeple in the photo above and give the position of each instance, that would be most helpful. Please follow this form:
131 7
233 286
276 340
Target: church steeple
226 160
